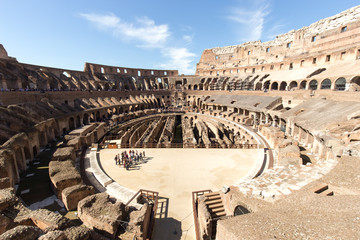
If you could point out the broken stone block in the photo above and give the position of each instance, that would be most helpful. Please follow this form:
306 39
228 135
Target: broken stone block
72 195
65 153
101 213
22 232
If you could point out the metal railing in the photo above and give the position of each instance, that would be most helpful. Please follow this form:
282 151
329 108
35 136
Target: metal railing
195 196
151 197
177 145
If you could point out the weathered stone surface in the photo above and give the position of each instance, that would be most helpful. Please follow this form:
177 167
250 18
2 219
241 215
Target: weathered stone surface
5 223
65 153
7 198
139 221
72 195
53 235
99 212
22 232
63 174
78 233
47 220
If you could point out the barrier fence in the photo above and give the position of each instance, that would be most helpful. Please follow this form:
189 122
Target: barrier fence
177 145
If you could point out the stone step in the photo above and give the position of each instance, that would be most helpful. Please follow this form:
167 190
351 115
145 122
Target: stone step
211 194
219 209
213 202
212 198
327 192
218 214
216 205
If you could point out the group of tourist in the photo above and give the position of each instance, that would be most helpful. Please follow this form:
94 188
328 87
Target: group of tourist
127 159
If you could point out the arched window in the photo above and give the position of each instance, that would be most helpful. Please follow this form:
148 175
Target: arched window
340 84
240 210
293 85
283 86
274 86
303 84
326 84
313 84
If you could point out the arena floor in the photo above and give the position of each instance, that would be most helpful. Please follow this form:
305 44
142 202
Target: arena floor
175 174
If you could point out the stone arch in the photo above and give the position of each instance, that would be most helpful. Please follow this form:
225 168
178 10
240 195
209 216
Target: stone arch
97 116
86 119
313 84
355 83
71 123
195 87
258 86
325 84
340 84
78 122
303 84
35 151
42 138
106 87
293 85
189 87
240 210
27 153
267 85
274 86
283 86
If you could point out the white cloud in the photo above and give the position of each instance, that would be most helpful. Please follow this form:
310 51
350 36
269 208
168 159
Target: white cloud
143 30
252 22
187 38
103 22
179 58
148 35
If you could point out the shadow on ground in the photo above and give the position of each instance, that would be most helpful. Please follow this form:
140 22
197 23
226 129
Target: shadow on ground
167 229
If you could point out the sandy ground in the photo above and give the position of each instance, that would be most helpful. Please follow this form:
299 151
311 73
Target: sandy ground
175 174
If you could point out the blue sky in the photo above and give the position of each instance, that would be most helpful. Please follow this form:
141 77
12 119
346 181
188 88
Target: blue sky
146 34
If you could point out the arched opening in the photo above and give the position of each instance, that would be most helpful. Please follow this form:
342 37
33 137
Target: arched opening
283 86
102 70
340 84
189 87
98 87
267 85
35 152
71 123
42 138
274 86
240 210
92 117
326 84
313 84
293 85
78 122
86 119
107 86
27 153
355 83
97 116
258 86
303 84
195 87
178 84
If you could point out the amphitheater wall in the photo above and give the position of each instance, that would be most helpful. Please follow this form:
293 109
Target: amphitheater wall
68 97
